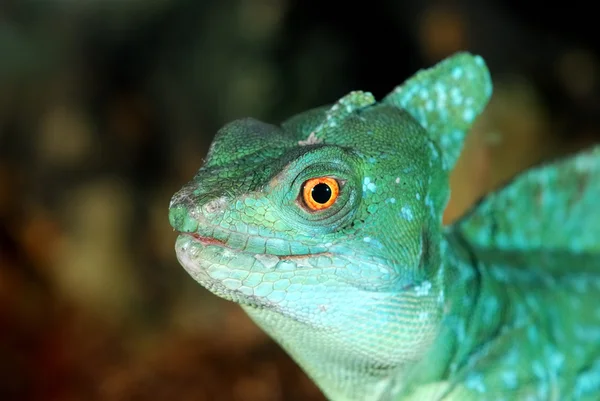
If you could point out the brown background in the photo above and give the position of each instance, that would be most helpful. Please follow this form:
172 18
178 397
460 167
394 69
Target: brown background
107 107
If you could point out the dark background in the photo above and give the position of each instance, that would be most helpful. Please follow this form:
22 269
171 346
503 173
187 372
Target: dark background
108 106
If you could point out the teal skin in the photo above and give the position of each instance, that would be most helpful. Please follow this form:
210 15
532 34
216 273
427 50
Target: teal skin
373 297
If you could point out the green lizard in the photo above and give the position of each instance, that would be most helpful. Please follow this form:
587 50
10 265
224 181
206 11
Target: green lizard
327 230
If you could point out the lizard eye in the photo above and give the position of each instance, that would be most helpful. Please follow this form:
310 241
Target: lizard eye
320 193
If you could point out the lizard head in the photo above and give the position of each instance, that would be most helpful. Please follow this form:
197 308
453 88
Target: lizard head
332 220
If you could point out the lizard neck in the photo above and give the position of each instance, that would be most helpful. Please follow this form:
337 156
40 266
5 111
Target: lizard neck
477 303
474 314
460 282
365 367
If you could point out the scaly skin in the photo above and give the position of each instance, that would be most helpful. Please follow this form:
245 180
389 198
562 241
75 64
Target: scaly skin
372 296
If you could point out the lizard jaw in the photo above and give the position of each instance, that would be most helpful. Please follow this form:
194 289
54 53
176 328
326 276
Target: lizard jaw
196 253
232 273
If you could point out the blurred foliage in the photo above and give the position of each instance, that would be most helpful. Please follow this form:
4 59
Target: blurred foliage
108 106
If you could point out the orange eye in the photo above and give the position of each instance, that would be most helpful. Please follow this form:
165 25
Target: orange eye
320 193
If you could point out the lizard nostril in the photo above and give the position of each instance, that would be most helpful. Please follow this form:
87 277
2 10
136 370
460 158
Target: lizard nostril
180 219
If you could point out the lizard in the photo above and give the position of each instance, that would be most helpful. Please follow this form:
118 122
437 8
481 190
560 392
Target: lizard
327 229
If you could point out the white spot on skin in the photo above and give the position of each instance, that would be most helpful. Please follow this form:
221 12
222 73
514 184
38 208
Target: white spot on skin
512 357
227 253
422 289
311 140
509 378
368 185
397 180
446 141
268 261
429 203
434 152
456 96
367 239
407 213
457 72
418 196
475 382
557 360
532 334
587 381
391 200
458 135
538 369
440 298
461 331
491 306
469 115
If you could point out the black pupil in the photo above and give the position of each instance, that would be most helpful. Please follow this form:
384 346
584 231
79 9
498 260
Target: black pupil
321 193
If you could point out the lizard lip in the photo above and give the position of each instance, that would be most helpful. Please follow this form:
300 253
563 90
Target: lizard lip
201 239
205 240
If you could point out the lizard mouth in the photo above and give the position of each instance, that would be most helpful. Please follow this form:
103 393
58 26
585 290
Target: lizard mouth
231 272
211 241
248 276
205 240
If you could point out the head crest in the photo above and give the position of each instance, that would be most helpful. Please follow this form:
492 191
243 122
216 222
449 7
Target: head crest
347 105
445 99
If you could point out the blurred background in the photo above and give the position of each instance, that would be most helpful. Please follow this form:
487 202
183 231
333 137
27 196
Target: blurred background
108 106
